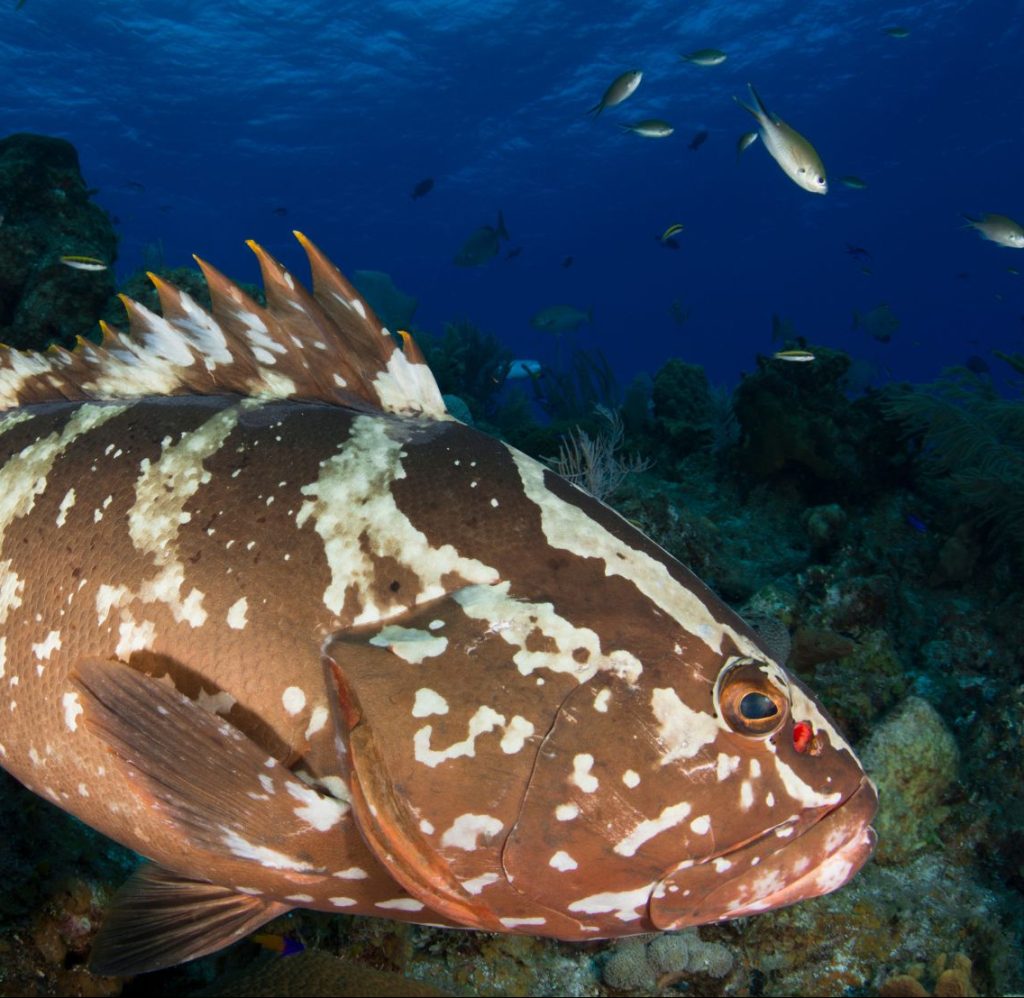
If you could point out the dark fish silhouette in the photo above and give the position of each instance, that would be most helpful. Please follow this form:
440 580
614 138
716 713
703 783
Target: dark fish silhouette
482 245
698 140
424 187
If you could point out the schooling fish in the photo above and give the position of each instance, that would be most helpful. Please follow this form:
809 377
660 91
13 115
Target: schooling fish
271 617
705 57
998 229
622 87
650 128
795 155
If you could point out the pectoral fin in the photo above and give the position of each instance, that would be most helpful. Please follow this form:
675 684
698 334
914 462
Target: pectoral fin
237 812
159 918
216 785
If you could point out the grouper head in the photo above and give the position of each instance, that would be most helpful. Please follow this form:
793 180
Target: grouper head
592 743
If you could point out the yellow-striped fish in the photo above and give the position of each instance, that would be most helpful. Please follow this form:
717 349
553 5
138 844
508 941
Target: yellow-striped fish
76 262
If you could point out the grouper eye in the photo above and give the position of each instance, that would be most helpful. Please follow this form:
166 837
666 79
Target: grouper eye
750 702
757 707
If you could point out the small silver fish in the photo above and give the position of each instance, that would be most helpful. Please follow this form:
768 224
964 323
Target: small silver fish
853 182
622 87
650 128
705 57
797 157
998 229
744 142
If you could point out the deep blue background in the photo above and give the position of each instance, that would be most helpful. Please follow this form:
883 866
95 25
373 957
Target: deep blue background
226 111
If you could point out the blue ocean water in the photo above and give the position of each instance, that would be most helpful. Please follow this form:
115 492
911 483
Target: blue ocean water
203 124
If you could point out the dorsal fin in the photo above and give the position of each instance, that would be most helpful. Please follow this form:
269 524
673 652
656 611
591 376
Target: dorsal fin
327 346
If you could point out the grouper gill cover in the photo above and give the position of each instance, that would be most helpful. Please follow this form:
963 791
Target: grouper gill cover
272 618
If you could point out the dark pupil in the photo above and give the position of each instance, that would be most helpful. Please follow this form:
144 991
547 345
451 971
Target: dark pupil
756 706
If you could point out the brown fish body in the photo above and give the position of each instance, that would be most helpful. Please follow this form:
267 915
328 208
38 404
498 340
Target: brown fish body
303 640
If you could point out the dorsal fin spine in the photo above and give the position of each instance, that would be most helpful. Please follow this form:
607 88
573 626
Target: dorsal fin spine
326 346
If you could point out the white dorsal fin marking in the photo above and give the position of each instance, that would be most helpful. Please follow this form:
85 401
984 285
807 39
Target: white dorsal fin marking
327 346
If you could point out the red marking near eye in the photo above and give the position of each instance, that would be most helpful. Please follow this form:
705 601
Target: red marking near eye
802 734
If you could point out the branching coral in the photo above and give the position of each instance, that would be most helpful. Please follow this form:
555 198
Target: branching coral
593 462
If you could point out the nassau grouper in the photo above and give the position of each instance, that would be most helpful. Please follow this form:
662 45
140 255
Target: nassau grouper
272 618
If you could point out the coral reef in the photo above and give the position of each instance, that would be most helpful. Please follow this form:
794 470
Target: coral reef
683 406
913 758
646 963
470 363
797 424
594 463
572 396
47 213
972 446
314 973
952 980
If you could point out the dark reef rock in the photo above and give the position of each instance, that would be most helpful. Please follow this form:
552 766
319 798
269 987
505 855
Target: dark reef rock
47 214
798 424
683 406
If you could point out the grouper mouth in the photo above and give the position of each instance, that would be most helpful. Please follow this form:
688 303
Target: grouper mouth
782 866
